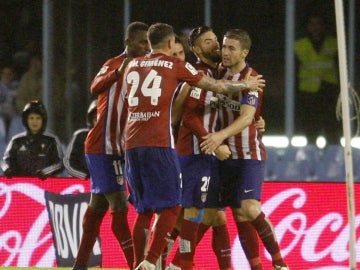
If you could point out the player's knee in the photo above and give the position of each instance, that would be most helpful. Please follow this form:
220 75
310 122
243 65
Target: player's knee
209 216
99 203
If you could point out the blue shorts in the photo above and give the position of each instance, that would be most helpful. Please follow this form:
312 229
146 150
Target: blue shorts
153 175
106 173
200 181
240 179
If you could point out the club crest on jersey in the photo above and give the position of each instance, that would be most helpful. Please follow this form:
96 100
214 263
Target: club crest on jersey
190 68
251 100
195 93
103 70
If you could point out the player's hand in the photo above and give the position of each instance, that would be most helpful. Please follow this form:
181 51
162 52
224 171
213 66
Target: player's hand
222 152
121 69
255 82
211 142
260 124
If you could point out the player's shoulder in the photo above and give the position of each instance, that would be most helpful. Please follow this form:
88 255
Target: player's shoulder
115 60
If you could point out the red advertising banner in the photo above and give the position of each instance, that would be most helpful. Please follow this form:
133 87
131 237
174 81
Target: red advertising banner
310 220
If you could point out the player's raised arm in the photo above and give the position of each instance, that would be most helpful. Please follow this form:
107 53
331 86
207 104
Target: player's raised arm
225 86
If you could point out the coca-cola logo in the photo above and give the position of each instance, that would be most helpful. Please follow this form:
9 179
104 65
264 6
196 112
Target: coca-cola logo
314 231
25 236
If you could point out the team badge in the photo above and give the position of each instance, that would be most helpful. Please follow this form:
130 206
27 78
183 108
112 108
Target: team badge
203 197
251 100
103 70
190 68
195 93
120 180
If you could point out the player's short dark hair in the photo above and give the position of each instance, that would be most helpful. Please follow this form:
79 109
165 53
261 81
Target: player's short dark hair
135 27
240 35
179 40
196 33
158 32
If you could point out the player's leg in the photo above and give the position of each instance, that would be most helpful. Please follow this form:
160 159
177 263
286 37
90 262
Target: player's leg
248 239
93 217
119 223
161 263
161 191
215 216
140 235
251 188
97 208
221 240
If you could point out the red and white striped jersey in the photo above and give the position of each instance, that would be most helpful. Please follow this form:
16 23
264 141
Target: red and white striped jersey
248 143
105 137
200 116
151 86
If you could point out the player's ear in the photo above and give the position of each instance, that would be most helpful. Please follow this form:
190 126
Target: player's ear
245 53
196 50
171 42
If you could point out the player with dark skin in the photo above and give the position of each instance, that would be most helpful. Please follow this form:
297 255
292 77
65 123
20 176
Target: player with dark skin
104 153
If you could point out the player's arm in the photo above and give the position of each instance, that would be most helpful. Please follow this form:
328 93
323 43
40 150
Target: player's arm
213 140
107 76
226 86
177 108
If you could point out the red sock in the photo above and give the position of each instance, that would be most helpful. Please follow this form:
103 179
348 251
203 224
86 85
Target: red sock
91 228
266 233
121 230
140 235
221 246
250 243
188 236
165 254
163 229
201 231
200 234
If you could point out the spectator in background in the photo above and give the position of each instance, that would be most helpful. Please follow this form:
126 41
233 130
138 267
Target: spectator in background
30 87
74 159
33 152
8 91
317 83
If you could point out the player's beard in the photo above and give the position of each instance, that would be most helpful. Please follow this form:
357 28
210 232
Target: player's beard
214 56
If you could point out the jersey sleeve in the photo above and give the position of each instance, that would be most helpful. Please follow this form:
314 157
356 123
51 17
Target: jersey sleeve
106 76
190 118
188 73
